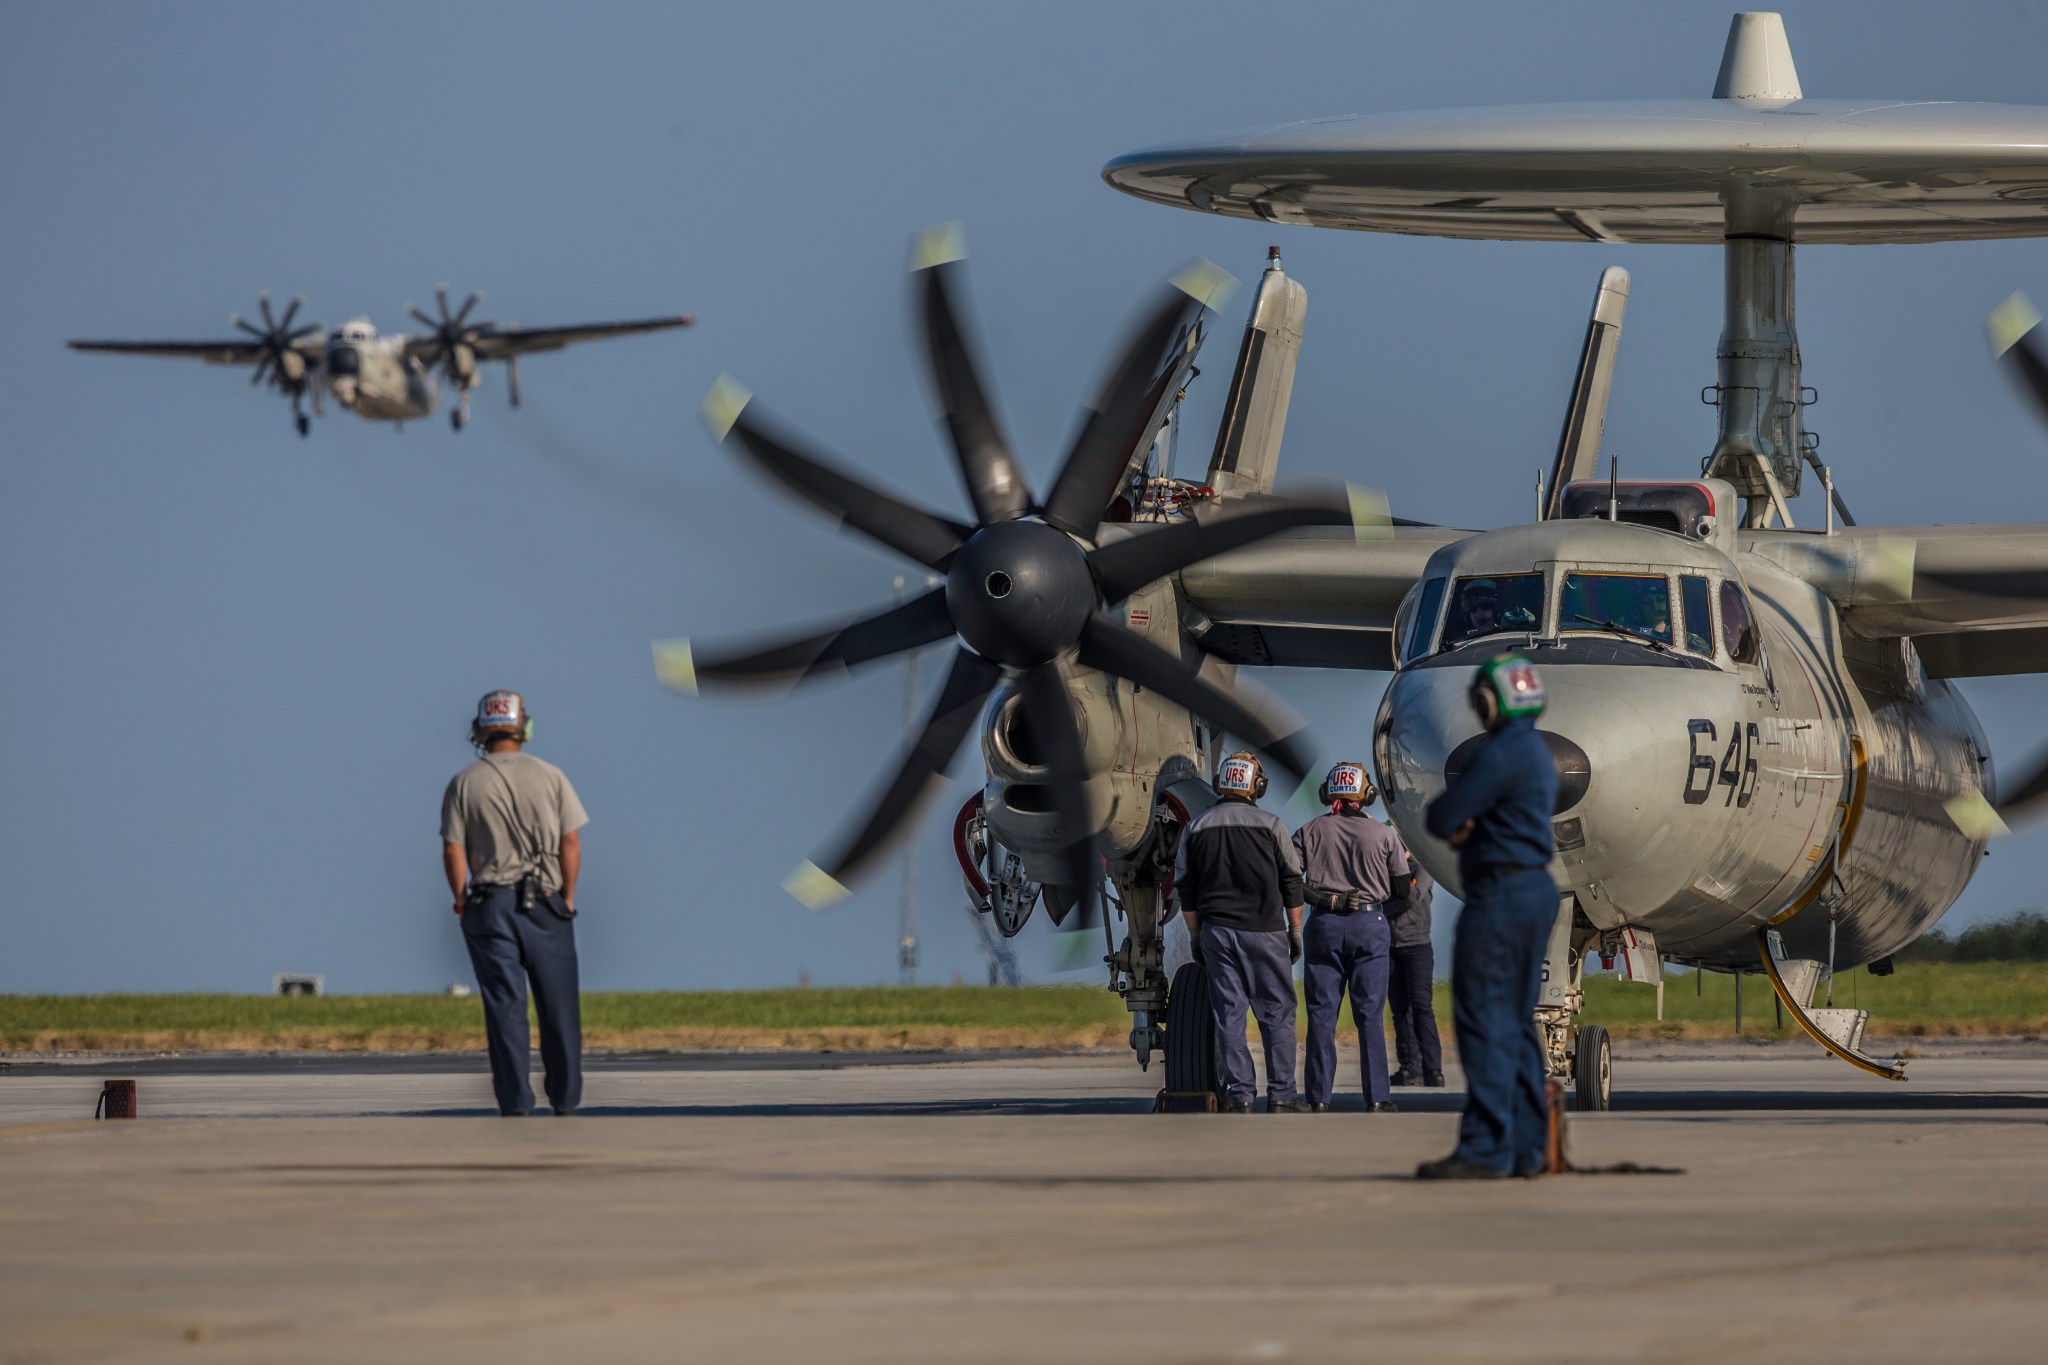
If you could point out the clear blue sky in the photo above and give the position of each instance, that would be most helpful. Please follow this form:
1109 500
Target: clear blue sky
239 665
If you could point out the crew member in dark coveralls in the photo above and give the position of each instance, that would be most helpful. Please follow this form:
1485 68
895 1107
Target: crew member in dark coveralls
1356 872
1497 815
1411 977
1240 887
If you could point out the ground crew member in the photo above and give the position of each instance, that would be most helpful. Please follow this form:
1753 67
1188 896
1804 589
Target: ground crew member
510 847
1240 888
1411 980
1356 871
1497 815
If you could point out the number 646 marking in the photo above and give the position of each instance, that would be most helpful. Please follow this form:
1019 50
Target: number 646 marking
1736 771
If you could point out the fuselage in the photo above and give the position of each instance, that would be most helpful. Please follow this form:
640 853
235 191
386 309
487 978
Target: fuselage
1737 760
373 377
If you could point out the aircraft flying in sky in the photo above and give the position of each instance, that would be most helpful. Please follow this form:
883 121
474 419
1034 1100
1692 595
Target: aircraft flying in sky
379 377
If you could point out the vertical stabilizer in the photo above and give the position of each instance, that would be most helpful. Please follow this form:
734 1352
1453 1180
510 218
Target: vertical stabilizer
1757 63
1255 414
1578 446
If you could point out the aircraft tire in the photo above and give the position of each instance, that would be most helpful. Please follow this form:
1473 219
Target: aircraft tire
1193 1061
1593 1069
305 425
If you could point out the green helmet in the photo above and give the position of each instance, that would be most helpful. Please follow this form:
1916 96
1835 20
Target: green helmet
1506 687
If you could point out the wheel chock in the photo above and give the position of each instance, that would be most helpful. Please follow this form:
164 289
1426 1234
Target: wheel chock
1185 1102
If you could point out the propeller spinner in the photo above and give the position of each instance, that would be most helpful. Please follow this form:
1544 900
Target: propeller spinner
1025 585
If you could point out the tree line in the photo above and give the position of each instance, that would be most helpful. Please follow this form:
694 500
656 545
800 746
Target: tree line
2020 937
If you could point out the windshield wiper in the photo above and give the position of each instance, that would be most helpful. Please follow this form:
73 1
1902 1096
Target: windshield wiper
1650 640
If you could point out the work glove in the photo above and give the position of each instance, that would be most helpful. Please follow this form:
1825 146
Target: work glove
1354 901
1293 945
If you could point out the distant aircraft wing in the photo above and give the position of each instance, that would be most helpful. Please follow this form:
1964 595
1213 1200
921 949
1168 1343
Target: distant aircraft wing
244 351
503 343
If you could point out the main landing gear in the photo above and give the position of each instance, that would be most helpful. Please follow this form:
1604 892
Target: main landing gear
304 423
1194 1053
459 418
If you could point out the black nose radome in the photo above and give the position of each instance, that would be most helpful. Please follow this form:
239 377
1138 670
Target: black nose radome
1574 769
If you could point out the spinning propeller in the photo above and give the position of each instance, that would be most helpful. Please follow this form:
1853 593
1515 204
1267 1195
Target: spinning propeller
1026 583
282 364
454 336
2014 330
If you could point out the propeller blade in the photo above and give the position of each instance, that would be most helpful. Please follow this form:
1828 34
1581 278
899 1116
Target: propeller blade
236 319
512 379
284 323
424 320
262 372
1118 422
967 686
263 302
441 298
2024 585
2015 331
309 329
924 536
994 484
1260 722
2029 792
1049 709
1124 566
921 621
474 296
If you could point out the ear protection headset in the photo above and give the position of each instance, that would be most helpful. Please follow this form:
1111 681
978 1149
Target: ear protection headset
501 715
1241 774
1348 782
1506 687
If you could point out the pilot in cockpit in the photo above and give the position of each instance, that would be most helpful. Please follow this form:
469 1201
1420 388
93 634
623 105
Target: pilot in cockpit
1482 613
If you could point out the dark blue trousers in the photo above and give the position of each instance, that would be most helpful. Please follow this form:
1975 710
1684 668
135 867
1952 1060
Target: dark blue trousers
1496 972
507 947
1411 979
1341 952
1250 970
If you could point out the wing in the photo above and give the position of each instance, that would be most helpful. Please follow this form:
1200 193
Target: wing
1313 598
1973 599
245 351
502 343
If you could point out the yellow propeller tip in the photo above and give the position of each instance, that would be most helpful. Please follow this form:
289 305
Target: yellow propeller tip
815 887
675 667
2010 321
936 246
723 405
1975 817
1894 565
1206 282
1371 519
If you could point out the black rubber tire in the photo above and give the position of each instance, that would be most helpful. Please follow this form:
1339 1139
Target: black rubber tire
1593 1069
1193 1060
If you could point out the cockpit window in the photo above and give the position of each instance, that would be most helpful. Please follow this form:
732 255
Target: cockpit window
1494 604
1634 604
1418 620
1736 626
1699 614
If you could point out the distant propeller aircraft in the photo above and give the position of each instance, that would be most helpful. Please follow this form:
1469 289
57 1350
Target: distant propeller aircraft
381 378
1765 764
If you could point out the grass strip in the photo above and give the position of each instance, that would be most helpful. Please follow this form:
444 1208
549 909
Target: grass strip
1946 1000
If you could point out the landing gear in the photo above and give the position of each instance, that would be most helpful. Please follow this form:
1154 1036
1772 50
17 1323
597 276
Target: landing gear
1593 1066
458 418
304 423
1194 1058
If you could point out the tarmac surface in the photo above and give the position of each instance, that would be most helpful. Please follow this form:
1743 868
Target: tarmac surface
1011 1208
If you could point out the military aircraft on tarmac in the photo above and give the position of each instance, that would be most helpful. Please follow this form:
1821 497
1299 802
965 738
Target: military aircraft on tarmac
381 378
1765 763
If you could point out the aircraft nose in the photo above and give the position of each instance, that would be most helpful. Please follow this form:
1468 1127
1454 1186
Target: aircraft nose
1574 767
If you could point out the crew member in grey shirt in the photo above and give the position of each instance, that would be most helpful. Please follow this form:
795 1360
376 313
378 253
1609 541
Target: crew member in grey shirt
1411 980
1356 872
512 854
